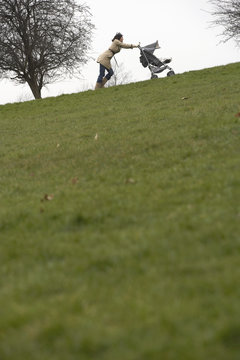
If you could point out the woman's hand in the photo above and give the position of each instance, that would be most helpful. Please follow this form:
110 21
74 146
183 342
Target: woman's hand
137 46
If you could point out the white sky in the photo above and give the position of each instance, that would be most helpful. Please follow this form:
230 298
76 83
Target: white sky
181 27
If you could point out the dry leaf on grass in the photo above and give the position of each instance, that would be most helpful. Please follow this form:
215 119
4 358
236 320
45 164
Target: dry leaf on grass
130 181
74 180
47 197
237 115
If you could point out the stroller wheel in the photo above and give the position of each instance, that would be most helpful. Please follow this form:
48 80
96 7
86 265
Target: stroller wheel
154 76
171 73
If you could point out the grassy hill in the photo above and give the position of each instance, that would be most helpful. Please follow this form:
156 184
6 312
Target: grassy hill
119 222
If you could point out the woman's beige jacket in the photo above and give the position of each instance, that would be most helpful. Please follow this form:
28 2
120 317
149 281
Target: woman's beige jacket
115 48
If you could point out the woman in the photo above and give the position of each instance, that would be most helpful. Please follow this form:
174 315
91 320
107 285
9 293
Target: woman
104 59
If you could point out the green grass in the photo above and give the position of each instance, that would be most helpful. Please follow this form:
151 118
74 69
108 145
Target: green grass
136 254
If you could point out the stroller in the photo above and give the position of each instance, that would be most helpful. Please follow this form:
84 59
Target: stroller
154 64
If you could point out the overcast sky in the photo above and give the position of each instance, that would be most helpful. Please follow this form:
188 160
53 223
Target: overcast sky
181 27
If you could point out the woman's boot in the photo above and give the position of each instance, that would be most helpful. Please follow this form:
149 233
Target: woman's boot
98 85
104 81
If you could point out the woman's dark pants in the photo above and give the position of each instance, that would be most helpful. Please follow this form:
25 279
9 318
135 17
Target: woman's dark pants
102 71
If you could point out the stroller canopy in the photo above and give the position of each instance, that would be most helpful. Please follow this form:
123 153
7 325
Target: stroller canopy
152 47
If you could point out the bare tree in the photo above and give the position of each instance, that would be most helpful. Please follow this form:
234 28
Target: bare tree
43 40
227 15
120 76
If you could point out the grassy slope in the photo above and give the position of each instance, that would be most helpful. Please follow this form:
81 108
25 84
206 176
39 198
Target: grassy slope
112 268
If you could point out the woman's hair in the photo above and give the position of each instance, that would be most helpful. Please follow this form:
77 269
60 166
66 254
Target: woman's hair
117 36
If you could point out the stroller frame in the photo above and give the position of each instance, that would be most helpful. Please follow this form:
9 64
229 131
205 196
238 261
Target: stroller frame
155 65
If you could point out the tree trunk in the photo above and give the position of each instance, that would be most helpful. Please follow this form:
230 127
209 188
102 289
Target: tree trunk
35 88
